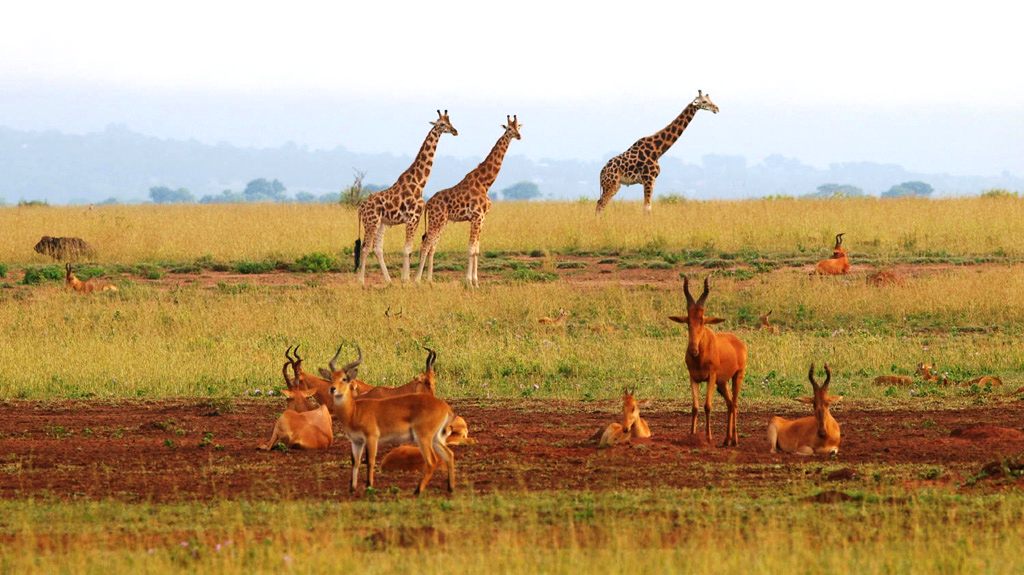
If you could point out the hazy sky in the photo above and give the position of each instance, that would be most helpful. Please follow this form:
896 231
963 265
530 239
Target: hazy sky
931 86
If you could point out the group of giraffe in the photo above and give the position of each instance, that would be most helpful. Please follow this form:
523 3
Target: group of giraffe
468 201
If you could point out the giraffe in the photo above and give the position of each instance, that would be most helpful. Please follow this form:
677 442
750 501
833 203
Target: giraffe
639 164
402 203
467 201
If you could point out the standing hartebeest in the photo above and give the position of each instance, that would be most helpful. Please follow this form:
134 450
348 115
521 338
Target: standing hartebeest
814 434
714 358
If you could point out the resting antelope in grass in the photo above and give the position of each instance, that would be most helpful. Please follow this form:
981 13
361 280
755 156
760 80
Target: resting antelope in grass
418 418
409 458
838 264
925 371
301 425
764 323
632 426
816 434
423 383
714 358
71 282
557 320
893 380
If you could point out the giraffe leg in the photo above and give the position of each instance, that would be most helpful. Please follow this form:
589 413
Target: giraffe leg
410 234
474 252
378 250
369 239
648 192
436 224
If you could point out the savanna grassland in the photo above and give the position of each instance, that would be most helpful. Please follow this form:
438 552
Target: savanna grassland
130 417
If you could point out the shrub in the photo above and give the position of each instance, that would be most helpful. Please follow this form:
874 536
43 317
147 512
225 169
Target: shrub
315 262
3 270
33 276
254 267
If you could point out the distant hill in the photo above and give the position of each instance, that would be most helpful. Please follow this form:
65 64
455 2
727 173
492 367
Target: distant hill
118 163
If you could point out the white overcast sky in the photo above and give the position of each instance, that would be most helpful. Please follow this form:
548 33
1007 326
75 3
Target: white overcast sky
836 59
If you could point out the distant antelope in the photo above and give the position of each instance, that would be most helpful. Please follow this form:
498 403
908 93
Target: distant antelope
925 371
632 426
71 282
557 320
838 264
816 434
893 380
714 358
764 323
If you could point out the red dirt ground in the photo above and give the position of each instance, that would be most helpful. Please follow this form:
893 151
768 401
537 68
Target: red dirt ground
154 451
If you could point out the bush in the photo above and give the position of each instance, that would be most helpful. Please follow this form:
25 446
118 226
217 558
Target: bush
33 276
3 270
253 267
315 262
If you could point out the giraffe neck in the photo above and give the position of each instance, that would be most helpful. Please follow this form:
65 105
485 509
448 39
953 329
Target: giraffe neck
419 172
487 171
664 139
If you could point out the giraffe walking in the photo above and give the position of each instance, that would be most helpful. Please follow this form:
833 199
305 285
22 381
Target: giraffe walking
467 201
401 204
639 164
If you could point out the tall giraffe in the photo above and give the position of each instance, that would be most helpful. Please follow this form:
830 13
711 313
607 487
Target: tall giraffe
639 164
402 203
467 201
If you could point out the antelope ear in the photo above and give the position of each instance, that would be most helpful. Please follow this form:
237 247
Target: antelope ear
713 320
308 393
325 374
679 319
351 374
287 393
807 400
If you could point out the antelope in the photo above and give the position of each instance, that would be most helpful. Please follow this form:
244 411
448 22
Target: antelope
301 426
838 264
418 418
764 323
816 434
87 287
714 358
319 384
557 320
420 384
925 371
409 458
632 426
893 380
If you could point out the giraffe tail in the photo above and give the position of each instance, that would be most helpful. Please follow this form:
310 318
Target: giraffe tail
358 251
426 224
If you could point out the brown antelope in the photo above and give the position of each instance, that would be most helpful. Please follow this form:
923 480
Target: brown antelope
301 426
925 371
893 380
764 323
420 384
87 287
714 358
632 426
409 458
816 434
838 264
418 418
557 320
320 384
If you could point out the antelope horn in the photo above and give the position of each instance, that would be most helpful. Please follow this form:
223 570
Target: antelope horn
335 358
431 358
686 291
288 354
298 358
350 366
704 296
839 240
810 376
828 378
284 372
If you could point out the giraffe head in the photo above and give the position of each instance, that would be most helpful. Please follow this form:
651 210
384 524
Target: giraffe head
703 102
443 124
512 128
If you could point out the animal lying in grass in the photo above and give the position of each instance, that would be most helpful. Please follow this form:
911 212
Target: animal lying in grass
815 434
765 327
838 264
72 282
557 320
409 458
632 425
301 426
925 370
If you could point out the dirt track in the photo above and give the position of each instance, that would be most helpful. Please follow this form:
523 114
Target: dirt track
155 450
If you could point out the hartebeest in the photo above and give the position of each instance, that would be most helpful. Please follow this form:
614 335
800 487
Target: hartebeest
301 426
714 358
423 383
72 282
815 434
418 418
838 264
632 426
765 327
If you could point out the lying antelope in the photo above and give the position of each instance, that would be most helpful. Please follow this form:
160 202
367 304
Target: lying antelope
557 320
418 418
893 380
714 358
420 384
838 264
816 434
301 425
764 323
925 371
409 458
632 426
71 282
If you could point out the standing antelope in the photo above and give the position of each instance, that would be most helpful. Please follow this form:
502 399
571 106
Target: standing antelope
424 383
838 264
71 282
301 426
714 358
321 385
418 418
815 434
764 323
632 426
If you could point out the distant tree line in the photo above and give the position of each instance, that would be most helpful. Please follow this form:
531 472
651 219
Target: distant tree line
904 190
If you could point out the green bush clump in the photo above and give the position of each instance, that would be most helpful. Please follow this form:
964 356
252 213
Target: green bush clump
254 267
315 262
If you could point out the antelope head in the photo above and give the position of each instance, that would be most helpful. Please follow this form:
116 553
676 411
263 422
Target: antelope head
838 251
630 409
694 318
343 376
821 401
